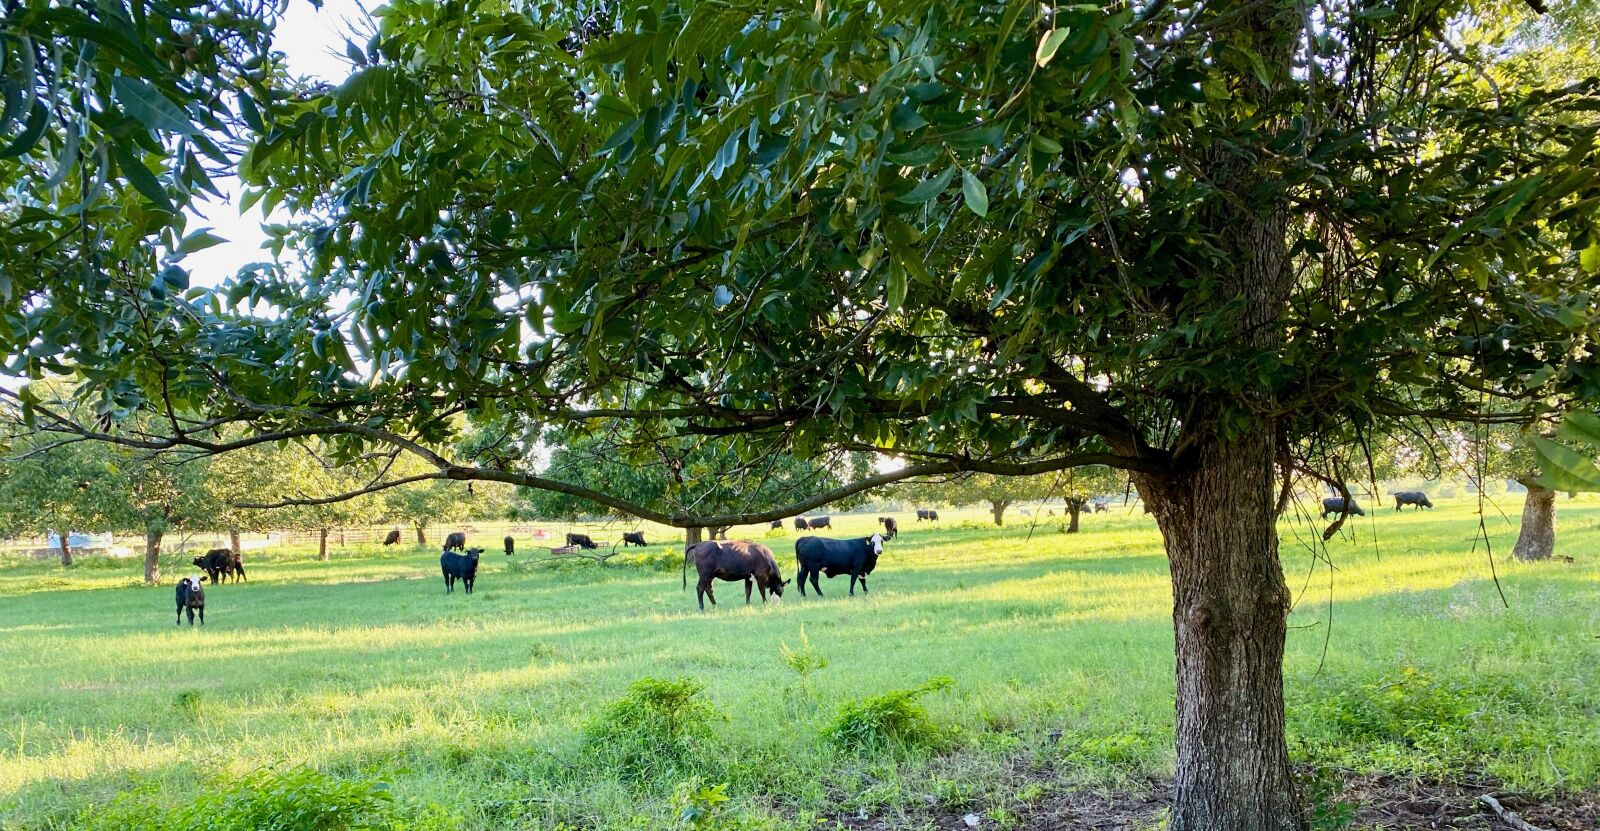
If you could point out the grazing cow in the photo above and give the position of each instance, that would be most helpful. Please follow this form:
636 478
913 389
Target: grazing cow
463 566
511 545
891 529
1100 506
1335 505
800 523
732 560
191 598
393 537
455 541
830 557
777 524
1051 511
220 564
581 541
634 538
820 522
1417 498
927 513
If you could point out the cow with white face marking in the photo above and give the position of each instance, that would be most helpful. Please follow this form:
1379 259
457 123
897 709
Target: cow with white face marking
830 557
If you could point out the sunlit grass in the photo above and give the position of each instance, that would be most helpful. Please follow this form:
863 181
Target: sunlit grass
1059 646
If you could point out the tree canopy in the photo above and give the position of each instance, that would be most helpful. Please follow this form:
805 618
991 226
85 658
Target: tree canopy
1173 237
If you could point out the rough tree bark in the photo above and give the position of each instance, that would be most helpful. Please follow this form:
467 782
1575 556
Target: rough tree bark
422 535
322 543
152 556
1230 611
720 532
1537 538
64 543
692 536
1074 507
999 508
233 544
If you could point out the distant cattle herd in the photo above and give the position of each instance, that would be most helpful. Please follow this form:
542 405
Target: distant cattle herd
728 560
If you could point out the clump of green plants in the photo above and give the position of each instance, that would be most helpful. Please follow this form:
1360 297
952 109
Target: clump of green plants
803 661
188 701
891 720
299 799
657 727
1409 706
697 805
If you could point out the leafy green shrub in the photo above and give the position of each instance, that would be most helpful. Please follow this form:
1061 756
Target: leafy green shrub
1411 707
657 727
697 805
299 799
891 719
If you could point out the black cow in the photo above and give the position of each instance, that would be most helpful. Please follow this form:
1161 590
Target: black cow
800 523
820 522
891 529
455 541
191 597
511 545
463 566
581 541
1335 505
634 538
219 564
393 537
732 560
830 557
928 514
1417 498
777 524
1099 506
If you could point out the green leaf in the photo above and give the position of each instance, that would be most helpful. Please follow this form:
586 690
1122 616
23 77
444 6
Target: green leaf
1581 427
1564 469
1589 258
38 117
199 241
251 115
142 179
1048 45
929 188
976 194
149 107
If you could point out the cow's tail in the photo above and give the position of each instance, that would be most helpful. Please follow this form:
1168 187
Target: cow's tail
686 549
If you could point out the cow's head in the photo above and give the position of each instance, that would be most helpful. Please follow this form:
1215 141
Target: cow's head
775 584
877 544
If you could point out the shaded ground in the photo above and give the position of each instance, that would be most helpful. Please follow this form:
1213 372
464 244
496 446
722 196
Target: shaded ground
1365 803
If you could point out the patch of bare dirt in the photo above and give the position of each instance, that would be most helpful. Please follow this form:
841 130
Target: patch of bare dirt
1366 803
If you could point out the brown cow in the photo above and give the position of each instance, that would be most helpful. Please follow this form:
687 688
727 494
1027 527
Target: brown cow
891 529
393 538
732 560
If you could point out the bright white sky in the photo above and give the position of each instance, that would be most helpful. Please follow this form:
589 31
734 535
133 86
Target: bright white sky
312 41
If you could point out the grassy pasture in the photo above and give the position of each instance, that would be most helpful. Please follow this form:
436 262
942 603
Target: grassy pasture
1059 648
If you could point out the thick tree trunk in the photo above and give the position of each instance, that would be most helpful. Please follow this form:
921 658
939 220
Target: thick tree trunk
152 557
1537 538
692 536
64 542
322 544
720 532
341 538
233 544
422 536
1230 609
999 509
1073 509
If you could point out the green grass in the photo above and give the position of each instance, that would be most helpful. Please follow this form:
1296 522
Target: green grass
482 712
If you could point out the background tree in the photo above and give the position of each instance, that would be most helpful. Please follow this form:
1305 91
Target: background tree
1166 237
707 477
996 492
153 497
58 489
1080 485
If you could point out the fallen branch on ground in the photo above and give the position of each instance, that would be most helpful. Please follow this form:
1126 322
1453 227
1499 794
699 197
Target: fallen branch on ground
1508 816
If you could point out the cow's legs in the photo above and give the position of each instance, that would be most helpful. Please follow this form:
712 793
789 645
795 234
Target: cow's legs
852 585
202 615
747 583
815 586
762 587
180 615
